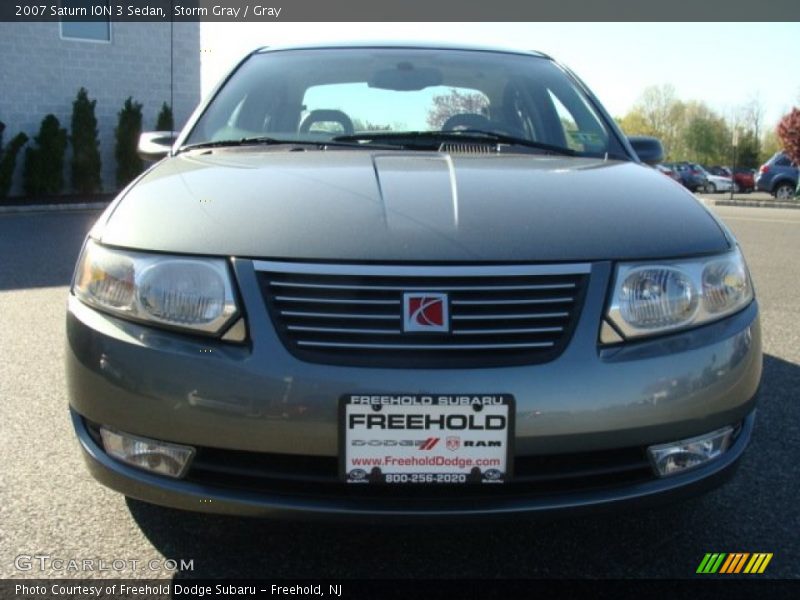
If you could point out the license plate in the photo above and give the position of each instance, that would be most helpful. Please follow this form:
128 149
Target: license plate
426 438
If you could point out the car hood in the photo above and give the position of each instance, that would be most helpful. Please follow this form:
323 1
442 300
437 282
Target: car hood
359 205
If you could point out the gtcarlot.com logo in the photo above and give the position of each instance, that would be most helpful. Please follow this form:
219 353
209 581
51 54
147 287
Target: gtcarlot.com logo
58 564
734 562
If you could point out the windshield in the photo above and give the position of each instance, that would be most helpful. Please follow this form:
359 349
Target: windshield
323 94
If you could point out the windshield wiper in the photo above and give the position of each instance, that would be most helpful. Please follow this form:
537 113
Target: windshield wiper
460 135
247 141
268 141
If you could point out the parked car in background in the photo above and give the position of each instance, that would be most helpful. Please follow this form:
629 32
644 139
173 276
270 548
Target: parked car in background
716 183
692 175
778 176
671 173
744 179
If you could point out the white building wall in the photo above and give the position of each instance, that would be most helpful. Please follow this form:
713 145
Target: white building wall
41 73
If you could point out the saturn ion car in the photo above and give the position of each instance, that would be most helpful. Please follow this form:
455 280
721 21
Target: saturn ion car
407 281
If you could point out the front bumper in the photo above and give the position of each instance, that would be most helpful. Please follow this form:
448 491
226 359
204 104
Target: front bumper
186 495
257 398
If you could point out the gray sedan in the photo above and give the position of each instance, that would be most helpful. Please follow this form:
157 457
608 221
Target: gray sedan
408 281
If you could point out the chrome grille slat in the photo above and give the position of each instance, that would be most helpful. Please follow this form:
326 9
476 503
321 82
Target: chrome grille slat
512 302
507 331
560 315
353 314
344 330
335 300
319 315
421 288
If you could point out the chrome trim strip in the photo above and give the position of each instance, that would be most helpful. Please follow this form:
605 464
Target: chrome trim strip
504 331
502 317
297 313
344 330
511 302
418 288
421 271
334 300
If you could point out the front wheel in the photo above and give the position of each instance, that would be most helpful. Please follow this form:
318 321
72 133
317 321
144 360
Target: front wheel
784 191
710 188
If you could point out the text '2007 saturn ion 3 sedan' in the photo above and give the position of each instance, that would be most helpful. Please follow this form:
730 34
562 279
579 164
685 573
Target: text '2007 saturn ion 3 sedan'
408 281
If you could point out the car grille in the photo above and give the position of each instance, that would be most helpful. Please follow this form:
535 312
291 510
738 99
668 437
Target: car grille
353 315
317 476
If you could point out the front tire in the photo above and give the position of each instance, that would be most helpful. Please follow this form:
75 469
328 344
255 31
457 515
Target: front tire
710 188
784 191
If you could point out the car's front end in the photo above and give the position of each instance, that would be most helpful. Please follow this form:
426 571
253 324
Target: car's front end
385 328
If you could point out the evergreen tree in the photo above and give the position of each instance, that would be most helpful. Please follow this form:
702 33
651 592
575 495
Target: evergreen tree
8 159
44 164
127 133
165 120
85 145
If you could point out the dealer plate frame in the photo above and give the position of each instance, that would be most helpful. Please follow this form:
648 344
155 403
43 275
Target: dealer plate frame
508 399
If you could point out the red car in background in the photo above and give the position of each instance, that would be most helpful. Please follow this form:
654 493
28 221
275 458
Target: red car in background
668 172
744 179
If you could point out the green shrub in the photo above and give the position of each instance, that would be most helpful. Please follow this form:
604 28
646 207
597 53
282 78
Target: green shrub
85 145
8 159
44 164
129 128
165 121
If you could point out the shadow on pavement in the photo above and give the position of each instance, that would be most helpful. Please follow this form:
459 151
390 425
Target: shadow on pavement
40 249
755 511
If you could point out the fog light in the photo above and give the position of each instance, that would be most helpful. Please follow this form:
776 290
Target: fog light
151 455
680 456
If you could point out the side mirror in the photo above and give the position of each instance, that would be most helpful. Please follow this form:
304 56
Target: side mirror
155 145
648 149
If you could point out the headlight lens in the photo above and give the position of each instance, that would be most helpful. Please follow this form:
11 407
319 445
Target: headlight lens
655 298
188 293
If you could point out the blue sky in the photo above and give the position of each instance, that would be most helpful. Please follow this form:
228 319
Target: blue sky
723 64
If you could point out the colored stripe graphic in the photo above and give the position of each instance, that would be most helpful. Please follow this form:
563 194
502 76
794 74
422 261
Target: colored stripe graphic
723 563
727 564
735 562
429 444
711 562
758 563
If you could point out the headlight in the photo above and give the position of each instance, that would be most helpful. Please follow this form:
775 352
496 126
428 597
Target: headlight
655 298
187 293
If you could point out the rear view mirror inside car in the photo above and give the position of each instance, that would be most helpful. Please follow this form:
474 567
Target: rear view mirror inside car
405 78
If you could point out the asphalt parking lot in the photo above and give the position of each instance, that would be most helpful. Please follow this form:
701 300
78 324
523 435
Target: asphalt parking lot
50 506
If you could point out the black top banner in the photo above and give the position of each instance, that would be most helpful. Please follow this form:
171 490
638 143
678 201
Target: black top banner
255 11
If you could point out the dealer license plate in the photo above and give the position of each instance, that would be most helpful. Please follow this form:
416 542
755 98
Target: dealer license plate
426 438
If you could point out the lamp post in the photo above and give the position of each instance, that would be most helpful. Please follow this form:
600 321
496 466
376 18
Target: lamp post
733 168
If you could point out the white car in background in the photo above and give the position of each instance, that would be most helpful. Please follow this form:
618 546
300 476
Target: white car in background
718 183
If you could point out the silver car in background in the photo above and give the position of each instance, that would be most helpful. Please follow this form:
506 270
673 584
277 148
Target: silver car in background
408 280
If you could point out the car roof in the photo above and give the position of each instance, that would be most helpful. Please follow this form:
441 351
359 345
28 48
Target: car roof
402 45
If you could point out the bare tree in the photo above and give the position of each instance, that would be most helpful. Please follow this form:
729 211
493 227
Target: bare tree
751 116
455 103
660 113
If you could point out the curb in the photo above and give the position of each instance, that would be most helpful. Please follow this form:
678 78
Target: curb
757 203
29 208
